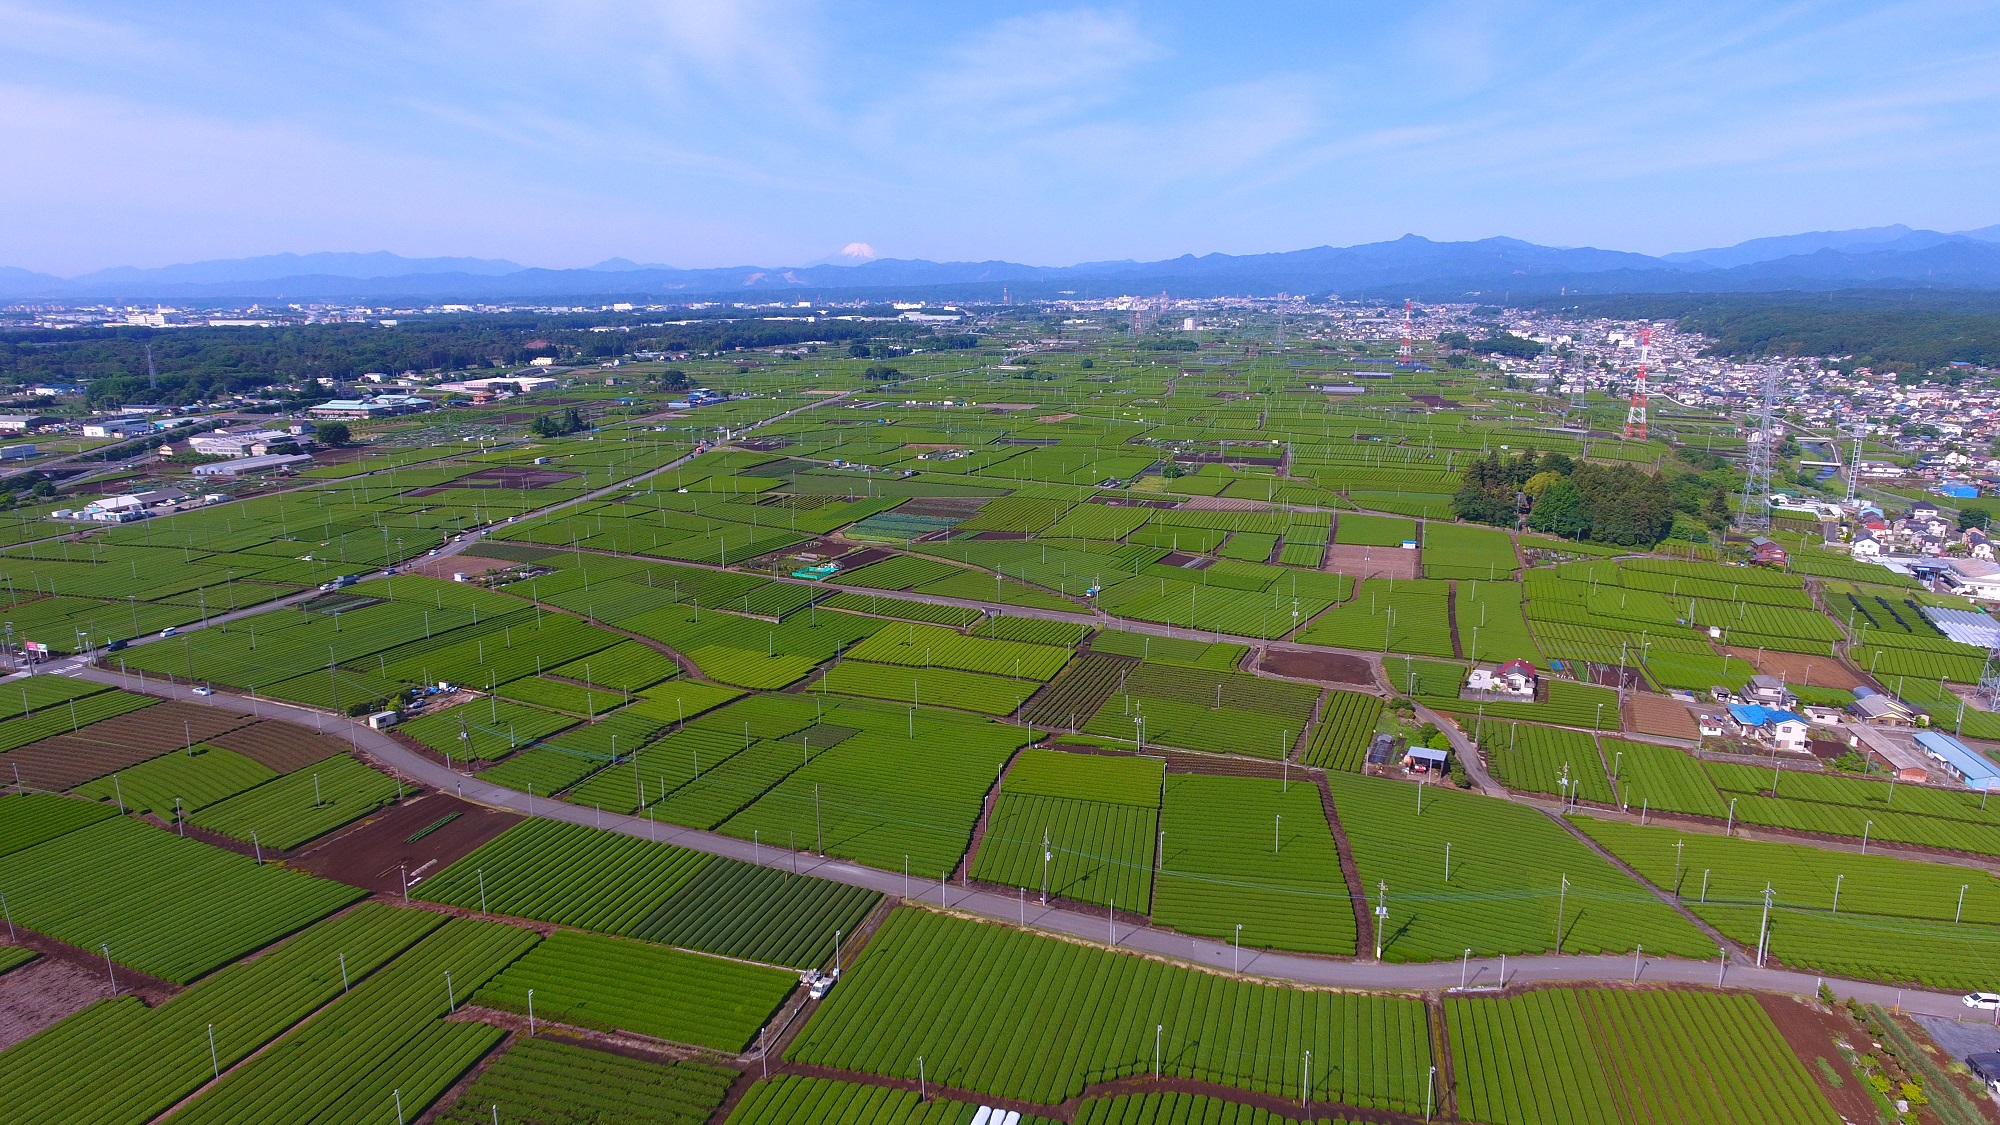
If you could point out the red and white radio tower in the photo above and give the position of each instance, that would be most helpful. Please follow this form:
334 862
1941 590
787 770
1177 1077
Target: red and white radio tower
1406 356
1635 414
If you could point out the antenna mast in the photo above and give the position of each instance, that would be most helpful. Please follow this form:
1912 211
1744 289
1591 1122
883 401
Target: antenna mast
1757 475
152 379
1406 355
1635 414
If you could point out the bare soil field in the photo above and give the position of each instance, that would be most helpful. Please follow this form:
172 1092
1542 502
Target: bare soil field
1660 715
373 851
501 476
1812 1034
43 992
1372 562
280 746
1330 667
68 760
1798 667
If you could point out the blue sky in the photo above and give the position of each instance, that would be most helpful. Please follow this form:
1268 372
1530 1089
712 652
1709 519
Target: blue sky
711 133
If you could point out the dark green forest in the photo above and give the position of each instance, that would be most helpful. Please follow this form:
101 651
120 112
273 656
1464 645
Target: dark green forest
197 364
1913 331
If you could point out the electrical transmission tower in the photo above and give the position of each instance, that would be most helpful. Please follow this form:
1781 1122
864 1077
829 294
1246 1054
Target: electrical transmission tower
1854 464
1635 414
1406 355
1756 515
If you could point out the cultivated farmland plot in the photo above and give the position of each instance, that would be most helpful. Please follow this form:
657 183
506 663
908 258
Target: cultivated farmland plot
759 914
184 781
1005 1013
123 1063
604 982
1593 1056
1454 550
542 1081
165 905
569 874
1254 853
1544 760
1895 919
1346 726
908 788
385 1035
27 819
302 805
789 1098
1509 864
1100 852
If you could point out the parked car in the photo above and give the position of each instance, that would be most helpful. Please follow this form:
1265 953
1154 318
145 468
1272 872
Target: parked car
1984 1001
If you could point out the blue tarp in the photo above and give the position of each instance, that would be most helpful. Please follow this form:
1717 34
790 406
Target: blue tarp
1756 715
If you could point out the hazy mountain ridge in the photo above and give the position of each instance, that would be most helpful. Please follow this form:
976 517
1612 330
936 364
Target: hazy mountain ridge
1893 256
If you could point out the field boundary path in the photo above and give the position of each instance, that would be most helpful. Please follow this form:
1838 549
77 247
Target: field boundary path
1092 926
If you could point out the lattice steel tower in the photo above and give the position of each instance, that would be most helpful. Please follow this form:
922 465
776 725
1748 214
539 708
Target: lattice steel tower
1854 465
1635 414
1406 355
1756 515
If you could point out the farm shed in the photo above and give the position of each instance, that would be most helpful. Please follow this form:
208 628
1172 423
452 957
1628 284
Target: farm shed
1425 758
1890 750
1964 763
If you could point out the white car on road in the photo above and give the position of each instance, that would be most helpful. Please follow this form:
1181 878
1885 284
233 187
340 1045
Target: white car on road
1984 1001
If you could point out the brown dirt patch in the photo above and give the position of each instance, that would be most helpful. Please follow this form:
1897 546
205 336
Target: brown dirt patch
1053 418
43 992
68 760
501 476
1660 715
1372 562
280 746
369 853
1331 667
1798 667
1811 1034
444 566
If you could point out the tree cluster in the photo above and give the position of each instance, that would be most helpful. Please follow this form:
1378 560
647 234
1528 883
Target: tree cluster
570 421
1491 488
1573 499
1506 343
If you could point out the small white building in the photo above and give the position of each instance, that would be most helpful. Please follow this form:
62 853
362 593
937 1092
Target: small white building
118 427
246 443
1516 677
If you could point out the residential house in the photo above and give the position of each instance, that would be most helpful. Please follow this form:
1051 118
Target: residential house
1977 544
1865 545
1516 677
1766 551
1769 691
1871 706
1782 729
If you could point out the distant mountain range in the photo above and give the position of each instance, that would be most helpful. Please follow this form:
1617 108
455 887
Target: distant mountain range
1874 257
